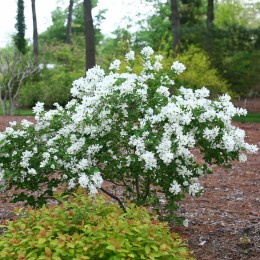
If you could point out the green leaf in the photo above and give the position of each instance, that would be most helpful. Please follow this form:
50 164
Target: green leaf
41 240
110 247
155 248
147 250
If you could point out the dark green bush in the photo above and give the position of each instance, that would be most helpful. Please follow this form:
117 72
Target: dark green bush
85 228
53 83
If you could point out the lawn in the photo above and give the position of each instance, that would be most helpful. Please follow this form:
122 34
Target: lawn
20 112
249 118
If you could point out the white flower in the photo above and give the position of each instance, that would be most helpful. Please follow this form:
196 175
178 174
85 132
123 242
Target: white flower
250 148
228 142
93 149
163 91
157 66
12 124
2 136
83 180
202 93
38 108
84 164
130 56
32 171
71 184
185 223
97 179
150 161
178 67
195 188
76 146
25 123
115 65
158 57
1 175
92 189
26 156
175 188
211 134
147 52
242 158
167 157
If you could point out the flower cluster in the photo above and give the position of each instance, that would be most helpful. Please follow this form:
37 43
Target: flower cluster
127 129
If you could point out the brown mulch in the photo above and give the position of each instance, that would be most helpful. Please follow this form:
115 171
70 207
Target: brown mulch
225 221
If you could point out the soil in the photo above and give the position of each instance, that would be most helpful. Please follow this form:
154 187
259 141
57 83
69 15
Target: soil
225 221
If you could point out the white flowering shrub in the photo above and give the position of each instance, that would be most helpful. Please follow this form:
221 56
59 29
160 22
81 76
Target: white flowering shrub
129 130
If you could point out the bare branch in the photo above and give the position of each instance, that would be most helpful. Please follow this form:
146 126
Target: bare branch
114 197
14 69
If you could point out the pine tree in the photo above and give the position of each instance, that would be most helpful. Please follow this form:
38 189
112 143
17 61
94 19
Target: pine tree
19 38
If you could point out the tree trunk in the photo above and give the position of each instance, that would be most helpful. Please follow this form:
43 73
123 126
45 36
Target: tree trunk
35 31
89 35
175 21
69 22
210 13
210 32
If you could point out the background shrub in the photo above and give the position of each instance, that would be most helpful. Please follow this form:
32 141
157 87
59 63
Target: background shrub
52 86
62 65
200 72
86 228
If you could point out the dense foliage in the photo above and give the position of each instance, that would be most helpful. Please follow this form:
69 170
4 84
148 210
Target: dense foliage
128 129
227 53
231 44
85 228
200 72
52 83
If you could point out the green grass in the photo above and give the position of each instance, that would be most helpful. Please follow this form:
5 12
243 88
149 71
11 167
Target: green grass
249 118
20 112
23 112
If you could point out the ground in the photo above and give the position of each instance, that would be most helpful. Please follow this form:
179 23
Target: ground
225 221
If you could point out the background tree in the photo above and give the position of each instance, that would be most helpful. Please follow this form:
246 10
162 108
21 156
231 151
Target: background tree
69 22
35 30
89 35
19 38
210 20
235 35
210 13
175 25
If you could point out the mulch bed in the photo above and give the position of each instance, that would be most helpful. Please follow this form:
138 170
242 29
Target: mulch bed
225 221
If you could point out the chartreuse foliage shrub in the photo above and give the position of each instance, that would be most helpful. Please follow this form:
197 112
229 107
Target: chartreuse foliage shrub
128 128
86 228
200 72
